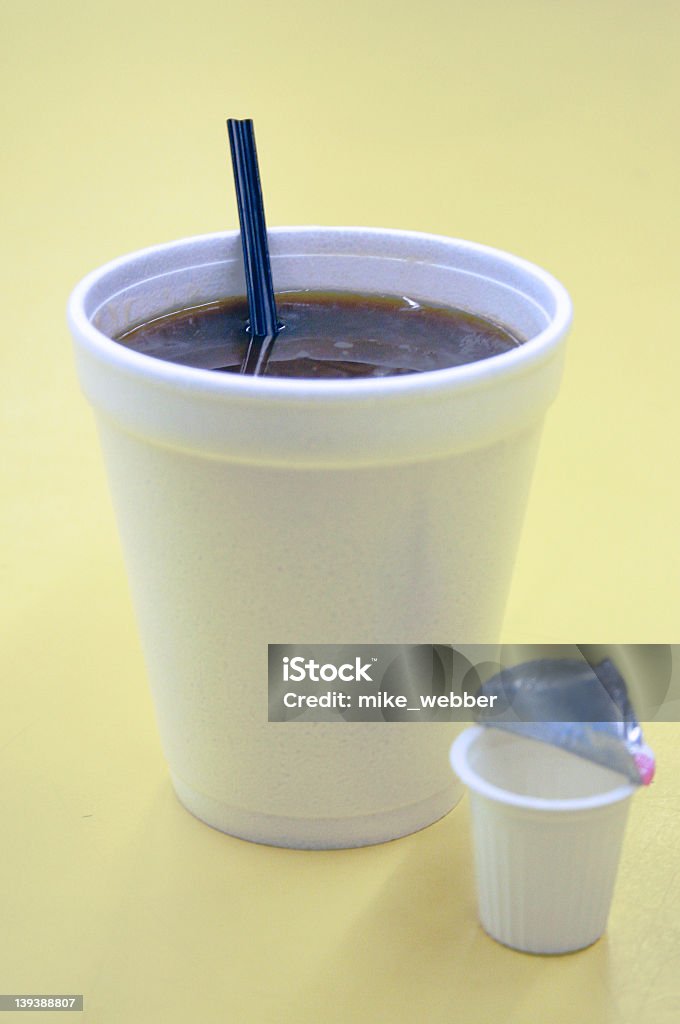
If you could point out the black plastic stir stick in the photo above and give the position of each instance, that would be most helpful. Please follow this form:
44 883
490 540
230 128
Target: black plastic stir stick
264 324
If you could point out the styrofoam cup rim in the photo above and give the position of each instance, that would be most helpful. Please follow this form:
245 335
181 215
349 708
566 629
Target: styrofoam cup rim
482 371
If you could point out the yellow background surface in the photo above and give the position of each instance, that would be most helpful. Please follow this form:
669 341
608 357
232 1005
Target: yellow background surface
547 129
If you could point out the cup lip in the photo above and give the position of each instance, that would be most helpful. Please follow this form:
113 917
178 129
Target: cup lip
485 371
458 757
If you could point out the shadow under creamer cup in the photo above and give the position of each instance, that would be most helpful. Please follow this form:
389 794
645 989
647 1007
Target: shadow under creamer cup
255 511
548 829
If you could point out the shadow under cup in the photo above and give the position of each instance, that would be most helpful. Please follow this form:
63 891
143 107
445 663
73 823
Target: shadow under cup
255 511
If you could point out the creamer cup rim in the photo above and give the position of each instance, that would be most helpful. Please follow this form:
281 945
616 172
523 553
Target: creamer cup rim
470 778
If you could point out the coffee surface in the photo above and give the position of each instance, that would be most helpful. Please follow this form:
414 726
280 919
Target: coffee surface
327 335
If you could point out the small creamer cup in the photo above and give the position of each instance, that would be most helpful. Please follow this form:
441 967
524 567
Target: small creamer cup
255 511
547 829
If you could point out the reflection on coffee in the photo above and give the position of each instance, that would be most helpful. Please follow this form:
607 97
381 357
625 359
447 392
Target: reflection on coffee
327 335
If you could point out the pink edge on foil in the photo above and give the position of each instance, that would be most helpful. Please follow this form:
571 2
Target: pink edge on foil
646 766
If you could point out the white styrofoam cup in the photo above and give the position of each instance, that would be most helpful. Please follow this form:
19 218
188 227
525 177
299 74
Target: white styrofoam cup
264 510
547 828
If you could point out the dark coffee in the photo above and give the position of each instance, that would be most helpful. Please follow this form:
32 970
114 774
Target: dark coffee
327 335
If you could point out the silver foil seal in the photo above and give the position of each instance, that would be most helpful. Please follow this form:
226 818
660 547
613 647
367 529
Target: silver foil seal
582 708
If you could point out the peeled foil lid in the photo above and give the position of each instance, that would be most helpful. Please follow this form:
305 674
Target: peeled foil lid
585 709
